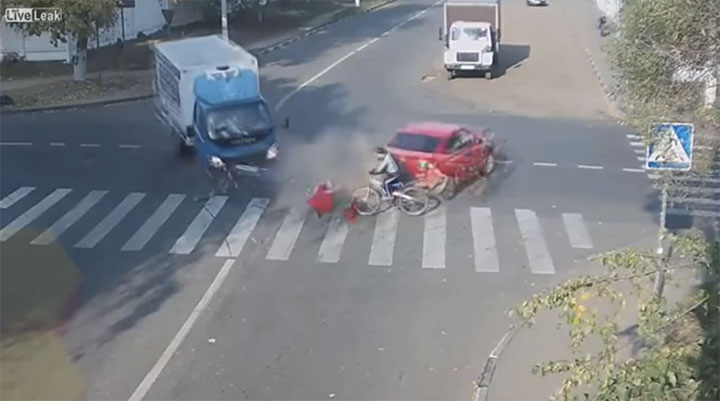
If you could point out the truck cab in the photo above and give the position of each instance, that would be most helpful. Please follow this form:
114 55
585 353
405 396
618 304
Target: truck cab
231 119
470 46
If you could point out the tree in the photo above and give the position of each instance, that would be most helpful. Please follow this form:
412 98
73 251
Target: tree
679 347
666 54
81 20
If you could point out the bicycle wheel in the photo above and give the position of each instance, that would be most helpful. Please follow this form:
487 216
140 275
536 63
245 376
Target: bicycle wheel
366 201
413 201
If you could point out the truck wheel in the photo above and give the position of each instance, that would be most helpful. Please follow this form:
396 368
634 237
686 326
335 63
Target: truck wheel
450 74
488 74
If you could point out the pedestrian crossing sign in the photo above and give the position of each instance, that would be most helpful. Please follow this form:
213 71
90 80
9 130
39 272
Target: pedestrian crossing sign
670 147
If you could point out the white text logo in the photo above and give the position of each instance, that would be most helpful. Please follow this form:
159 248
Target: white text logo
33 15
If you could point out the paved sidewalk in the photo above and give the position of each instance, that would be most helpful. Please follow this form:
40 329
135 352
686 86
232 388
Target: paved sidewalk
513 379
587 14
119 85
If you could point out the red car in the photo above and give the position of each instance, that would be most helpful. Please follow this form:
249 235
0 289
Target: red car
437 154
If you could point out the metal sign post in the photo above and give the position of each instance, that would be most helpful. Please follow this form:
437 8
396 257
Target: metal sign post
224 18
669 149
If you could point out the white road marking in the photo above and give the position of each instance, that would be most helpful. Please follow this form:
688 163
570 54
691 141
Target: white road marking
641 158
128 146
640 151
172 348
503 161
633 136
545 164
434 239
287 235
635 143
33 213
576 231
15 143
486 256
537 251
89 145
192 235
70 218
343 58
14 197
57 143
153 224
634 170
696 190
589 167
688 179
331 247
383 244
699 213
106 225
235 241
699 201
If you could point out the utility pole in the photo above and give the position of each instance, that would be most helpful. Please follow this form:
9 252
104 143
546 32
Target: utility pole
224 18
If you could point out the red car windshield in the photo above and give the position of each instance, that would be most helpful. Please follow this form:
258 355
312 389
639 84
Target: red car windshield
414 142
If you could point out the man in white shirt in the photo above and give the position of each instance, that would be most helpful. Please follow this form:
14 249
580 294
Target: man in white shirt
388 169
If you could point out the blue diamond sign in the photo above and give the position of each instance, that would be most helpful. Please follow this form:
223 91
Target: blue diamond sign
670 147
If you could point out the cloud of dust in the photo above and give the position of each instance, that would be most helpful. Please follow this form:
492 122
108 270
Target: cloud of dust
342 159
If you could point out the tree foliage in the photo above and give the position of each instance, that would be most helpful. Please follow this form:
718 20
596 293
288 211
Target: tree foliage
81 18
657 40
676 363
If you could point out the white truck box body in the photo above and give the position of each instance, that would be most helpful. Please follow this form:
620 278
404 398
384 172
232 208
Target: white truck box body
179 62
470 14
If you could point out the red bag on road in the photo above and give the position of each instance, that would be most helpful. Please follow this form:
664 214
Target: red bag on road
322 199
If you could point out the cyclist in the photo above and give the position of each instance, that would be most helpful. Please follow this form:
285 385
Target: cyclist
388 169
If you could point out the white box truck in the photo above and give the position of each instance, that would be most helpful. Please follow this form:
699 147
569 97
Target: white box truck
471 32
207 90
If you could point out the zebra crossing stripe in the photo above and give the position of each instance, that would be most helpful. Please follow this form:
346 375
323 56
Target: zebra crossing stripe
192 235
287 235
434 239
537 251
331 247
33 213
486 257
235 241
70 218
110 221
14 197
383 244
153 224
576 231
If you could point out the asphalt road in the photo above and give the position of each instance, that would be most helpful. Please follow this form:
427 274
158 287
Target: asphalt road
308 308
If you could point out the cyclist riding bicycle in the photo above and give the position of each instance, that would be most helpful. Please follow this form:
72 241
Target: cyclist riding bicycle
388 169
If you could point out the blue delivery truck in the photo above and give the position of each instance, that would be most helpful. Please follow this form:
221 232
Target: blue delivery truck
207 90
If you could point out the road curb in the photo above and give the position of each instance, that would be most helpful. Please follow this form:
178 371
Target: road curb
482 385
340 16
609 94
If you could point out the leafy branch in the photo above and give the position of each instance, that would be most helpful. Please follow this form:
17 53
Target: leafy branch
661 371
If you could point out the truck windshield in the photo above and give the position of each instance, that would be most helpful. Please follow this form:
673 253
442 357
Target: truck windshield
468 34
238 121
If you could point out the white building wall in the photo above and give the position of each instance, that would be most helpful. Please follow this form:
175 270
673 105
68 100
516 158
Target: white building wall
145 17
